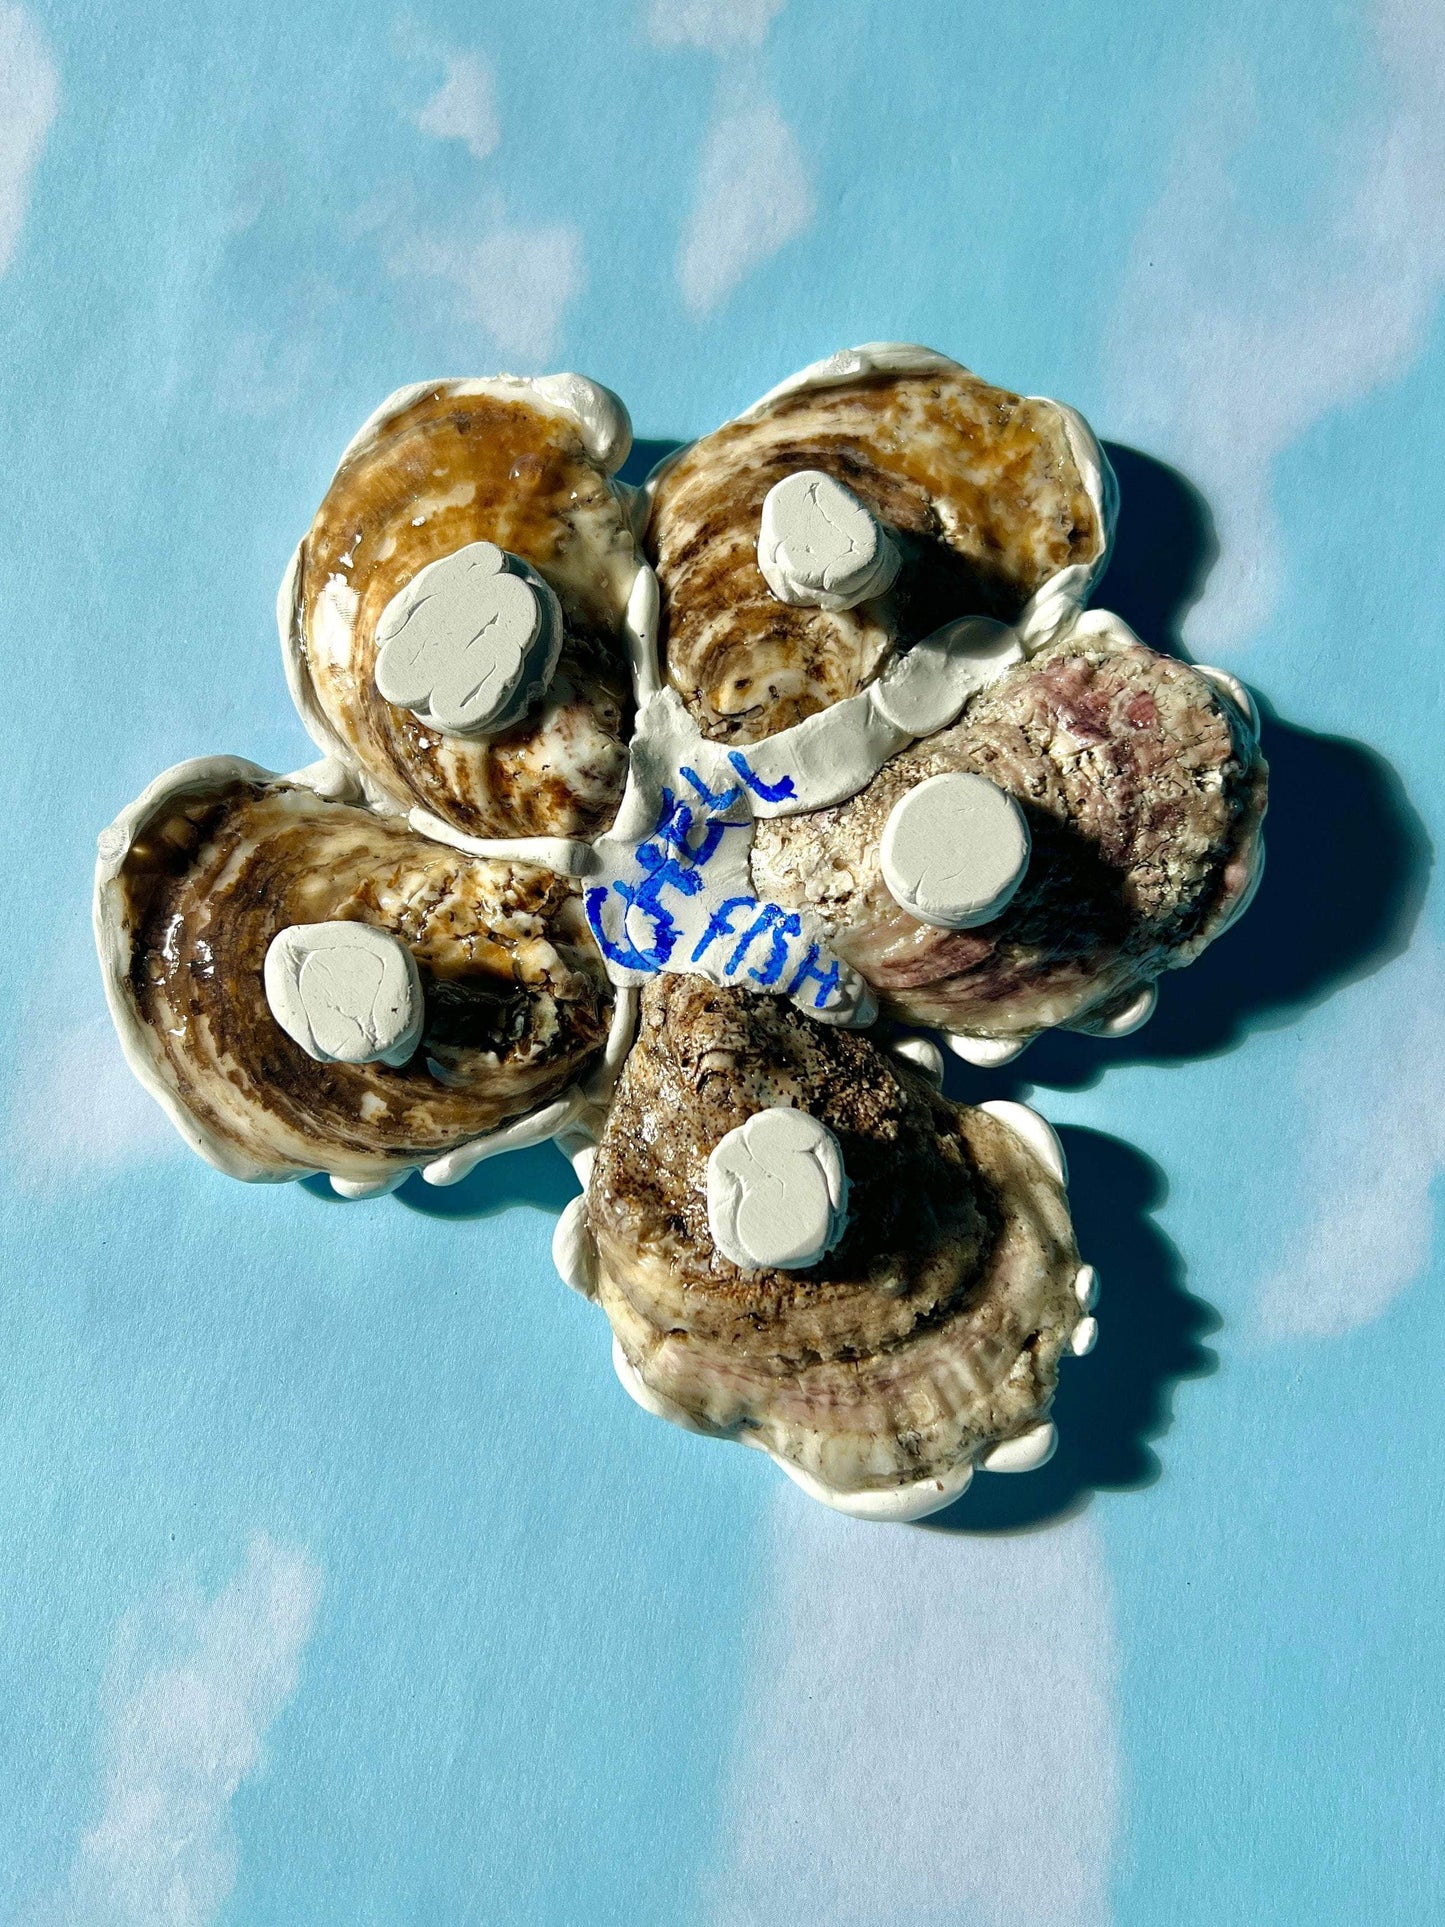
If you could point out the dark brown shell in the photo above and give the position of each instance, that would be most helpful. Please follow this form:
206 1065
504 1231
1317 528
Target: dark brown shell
932 1329
516 1001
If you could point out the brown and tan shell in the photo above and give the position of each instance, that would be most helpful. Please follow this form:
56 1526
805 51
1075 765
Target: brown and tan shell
437 468
932 1330
218 856
989 494
1145 793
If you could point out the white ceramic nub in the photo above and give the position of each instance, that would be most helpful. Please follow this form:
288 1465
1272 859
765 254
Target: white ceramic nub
954 850
346 993
356 1188
1025 1453
1086 1335
573 1251
923 1054
986 1053
777 1194
1134 1015
469 642
1086 1287
1039 1135
819 547
1120 1020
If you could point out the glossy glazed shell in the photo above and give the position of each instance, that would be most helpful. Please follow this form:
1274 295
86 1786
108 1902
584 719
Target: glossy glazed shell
192 884
440 466
991 497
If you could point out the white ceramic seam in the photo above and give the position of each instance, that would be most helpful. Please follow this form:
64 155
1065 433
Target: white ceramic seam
600 415
1025 1451
890 1504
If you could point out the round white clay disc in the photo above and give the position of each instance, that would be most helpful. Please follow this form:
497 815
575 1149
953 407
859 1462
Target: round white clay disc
954 850
347 994
818 547
468 642
777 1193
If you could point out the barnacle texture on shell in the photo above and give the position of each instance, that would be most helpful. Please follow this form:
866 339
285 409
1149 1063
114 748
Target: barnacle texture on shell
982 490
227 856
932 1329
458 463
1144 791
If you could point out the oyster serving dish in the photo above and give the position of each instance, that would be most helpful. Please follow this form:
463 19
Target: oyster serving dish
658 822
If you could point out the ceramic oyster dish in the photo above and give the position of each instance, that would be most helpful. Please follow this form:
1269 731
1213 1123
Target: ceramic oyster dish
658 822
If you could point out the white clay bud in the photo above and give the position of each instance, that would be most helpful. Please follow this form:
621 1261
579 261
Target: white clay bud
819 548
954 851
470 642
1035 1131
346 993
777 1194
924 1055
1025 1452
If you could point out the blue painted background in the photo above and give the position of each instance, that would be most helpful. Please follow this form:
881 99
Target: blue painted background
338 1579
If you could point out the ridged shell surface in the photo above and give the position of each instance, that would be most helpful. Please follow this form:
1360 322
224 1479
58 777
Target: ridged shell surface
458 463
933 1328
983 490
516 1001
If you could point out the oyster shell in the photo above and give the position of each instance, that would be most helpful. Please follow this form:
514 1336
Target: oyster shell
1144 790
525 465
929 1333
195 880
996 501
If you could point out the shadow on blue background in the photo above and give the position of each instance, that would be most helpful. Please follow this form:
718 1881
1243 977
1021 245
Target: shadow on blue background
1109 1413
643 458
1348 856
539 1176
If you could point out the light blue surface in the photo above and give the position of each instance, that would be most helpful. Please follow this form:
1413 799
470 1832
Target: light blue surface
338 1579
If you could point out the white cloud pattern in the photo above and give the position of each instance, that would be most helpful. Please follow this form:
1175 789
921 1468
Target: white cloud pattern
929 1734
1231 341
29 99
464 107
753 197
194 1686
714 24
1368 1138
78 1109
516 281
